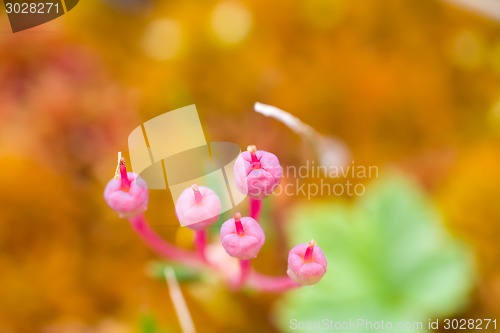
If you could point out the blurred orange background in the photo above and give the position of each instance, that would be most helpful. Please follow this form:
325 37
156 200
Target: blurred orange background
412 85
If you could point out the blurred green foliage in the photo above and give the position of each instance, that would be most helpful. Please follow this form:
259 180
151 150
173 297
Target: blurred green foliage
148 324
390 258
156 269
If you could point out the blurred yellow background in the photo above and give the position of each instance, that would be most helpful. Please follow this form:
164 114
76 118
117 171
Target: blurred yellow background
411 85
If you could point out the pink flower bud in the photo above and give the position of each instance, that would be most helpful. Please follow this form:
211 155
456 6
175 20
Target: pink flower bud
242 237
127 193
198 207
306 263
257 172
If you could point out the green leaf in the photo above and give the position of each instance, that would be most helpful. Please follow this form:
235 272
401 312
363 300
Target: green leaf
389 258
148 324
156 269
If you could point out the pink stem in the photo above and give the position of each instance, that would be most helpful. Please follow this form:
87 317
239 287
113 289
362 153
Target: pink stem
197 195
238 226
309 253
165 249
255 161
200 243
125 182
271 283
255 208
253 279
245 269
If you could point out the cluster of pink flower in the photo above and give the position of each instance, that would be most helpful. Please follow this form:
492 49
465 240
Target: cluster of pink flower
257 173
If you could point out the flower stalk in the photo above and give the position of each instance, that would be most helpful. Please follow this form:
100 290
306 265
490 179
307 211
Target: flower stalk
200 243
162 247
255 208
274 284
199 207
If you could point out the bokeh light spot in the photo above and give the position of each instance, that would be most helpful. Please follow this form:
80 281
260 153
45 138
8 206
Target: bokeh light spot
468 50
162 39
231 22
